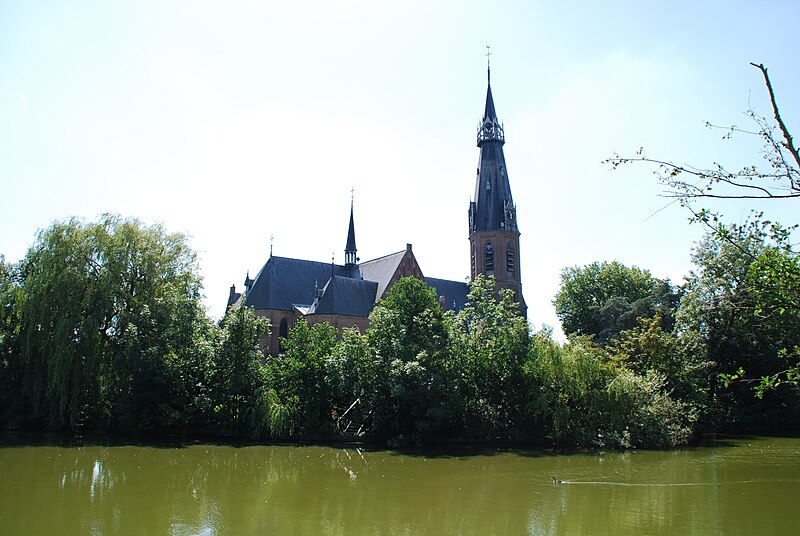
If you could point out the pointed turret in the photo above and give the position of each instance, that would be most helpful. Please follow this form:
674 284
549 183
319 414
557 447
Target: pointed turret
490 128
493 233
350 252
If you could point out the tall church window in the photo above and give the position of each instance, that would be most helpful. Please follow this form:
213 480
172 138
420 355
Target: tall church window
283 332
488 259
284 329
510 258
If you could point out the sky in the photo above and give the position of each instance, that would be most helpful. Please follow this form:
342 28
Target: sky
246 125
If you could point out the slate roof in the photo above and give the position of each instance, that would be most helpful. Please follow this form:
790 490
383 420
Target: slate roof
351 235
454 292
381 270
284 282
489 112
345 296
492 189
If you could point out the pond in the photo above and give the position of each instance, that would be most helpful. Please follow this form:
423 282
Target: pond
739 486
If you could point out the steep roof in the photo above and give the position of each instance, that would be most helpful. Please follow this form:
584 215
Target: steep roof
284 282
346 296
313 287
488 112
351 235
492 208
381 270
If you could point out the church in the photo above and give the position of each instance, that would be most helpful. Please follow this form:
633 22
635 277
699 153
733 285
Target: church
286 290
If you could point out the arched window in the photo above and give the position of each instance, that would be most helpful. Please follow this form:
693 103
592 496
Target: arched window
510 263
488 258
283 332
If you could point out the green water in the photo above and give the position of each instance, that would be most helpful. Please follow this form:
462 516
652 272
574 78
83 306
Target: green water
744 486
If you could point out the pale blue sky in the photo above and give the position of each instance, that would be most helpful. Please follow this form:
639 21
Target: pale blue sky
234 121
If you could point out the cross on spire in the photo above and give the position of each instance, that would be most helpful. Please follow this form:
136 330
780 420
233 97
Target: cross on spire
488 65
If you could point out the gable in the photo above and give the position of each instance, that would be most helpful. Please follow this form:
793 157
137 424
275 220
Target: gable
388 269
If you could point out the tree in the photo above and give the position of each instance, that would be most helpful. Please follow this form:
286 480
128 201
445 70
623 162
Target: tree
408 339
13 409
649 349
603 299
107 311
723 319
775 266
301 375
239 383
489 347
580 395
351 376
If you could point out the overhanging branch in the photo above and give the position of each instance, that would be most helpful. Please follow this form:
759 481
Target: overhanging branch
789 143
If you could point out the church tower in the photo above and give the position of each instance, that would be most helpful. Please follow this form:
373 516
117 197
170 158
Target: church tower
493 233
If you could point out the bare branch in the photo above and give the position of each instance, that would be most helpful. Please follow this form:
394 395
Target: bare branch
670 170
789 144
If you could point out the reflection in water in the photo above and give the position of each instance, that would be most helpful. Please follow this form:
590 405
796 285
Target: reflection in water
745 488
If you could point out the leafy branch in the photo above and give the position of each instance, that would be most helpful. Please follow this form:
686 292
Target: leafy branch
772 281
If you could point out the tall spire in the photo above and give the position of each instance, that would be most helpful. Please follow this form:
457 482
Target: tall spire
492 207
350 257
493 233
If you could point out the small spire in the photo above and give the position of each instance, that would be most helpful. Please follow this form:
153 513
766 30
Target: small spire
489 129
350 252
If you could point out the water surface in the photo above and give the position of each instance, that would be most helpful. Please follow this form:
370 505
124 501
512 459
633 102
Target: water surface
743 486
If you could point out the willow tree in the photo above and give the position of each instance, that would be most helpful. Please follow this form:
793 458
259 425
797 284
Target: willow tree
109 313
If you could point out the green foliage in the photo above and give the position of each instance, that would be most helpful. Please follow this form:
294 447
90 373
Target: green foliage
604 299
12 401
101 328
646 415
102 305
351 375
408 337
571 403
771 285
734 316
648 349
241 400
489 347
584 398
301 376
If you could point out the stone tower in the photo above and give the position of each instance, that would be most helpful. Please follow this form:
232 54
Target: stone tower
493 233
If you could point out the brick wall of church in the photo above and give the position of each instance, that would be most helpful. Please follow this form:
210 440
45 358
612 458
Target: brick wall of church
271 344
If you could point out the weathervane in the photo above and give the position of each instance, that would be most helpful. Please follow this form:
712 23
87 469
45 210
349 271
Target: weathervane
271 238
352 195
